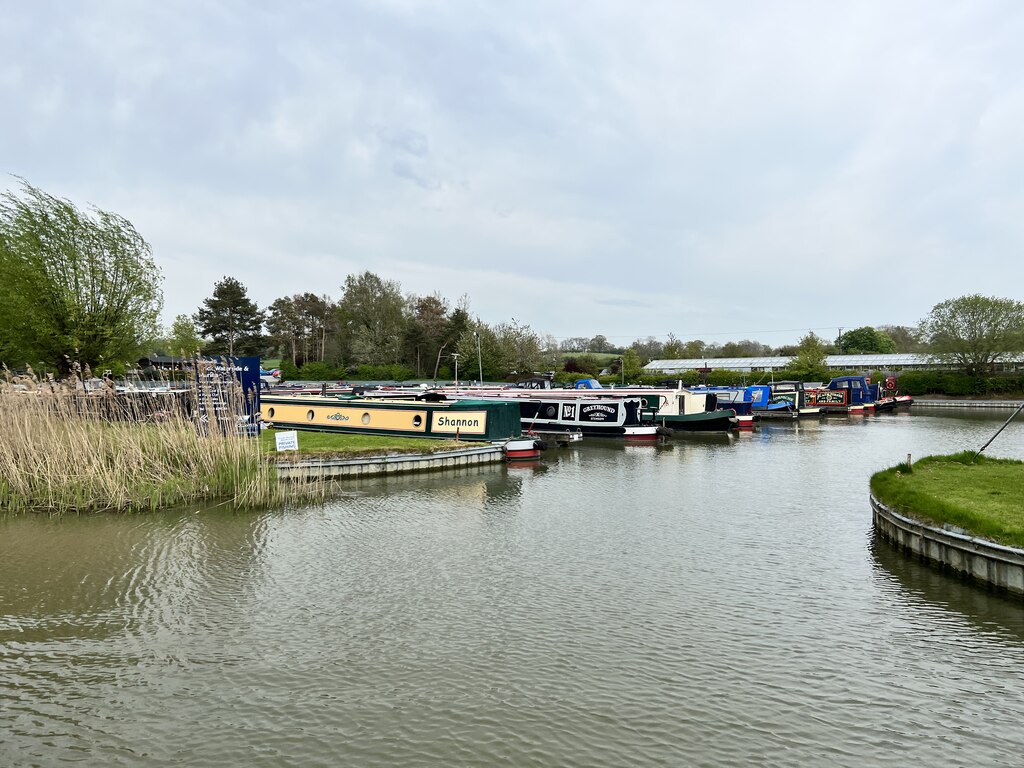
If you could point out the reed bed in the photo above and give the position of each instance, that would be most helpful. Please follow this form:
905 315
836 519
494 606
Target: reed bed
66 450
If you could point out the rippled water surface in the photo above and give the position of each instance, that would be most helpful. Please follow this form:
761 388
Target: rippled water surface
711 601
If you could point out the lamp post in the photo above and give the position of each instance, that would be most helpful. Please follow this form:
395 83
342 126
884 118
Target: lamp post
455 355
479 359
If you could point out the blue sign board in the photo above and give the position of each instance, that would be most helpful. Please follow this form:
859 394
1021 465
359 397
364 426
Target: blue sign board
215 379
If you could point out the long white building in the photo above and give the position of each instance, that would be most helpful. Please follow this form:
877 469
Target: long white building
881 363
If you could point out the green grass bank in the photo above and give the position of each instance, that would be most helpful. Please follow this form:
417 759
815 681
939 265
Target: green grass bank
982 495
341 446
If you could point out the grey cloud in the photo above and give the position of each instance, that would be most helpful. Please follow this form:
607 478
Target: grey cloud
729 160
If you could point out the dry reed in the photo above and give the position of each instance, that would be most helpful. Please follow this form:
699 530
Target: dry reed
64 449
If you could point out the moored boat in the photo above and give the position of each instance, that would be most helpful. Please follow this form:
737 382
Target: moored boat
676 409
788 400
849 395
567 411
473 420
523 448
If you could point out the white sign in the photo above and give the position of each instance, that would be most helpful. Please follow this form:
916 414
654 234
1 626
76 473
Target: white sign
287 441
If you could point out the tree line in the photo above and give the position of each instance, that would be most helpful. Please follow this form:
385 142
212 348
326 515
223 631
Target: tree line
83 285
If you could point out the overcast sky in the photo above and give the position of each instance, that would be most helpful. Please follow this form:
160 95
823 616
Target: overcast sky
716 170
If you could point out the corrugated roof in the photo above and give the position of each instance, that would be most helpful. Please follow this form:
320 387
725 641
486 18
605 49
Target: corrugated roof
899 360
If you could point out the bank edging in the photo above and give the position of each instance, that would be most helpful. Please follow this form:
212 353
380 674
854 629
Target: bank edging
985 561
389 464
920 402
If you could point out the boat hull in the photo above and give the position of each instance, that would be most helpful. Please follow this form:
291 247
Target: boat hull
708 421
522 449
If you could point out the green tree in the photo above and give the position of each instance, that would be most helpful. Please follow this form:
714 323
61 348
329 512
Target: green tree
371 319
184 337
287 329
809 361
744 348
425 332
584 364
77 284
631 365
302 326
974 331
231 320
513 351
905 339
865 341
694 349
320 319
575 344
673 349
647 349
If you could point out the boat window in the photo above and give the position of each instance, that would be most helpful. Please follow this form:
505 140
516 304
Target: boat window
366 418
270 413
309 415
551 411
417 420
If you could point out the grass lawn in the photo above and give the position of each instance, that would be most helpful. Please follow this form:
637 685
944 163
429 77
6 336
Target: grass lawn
334 445
983 496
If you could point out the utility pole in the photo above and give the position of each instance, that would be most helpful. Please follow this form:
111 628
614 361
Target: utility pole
840 340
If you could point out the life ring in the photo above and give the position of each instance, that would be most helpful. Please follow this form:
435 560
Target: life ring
890 382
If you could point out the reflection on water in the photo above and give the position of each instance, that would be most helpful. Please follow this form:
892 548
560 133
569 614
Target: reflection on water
922 584
709 600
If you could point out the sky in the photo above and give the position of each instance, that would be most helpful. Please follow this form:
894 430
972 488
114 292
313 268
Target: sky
721 171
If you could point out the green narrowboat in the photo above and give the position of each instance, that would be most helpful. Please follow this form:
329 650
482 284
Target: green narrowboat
474 420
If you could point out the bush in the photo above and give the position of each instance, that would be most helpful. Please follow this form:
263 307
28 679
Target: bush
317 371
289 372
393 372
957 384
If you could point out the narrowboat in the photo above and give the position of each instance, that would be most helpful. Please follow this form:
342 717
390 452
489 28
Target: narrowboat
704 409
679 409
787 400
471 420
566 411
846 394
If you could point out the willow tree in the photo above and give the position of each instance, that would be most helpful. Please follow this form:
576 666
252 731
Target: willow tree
75 284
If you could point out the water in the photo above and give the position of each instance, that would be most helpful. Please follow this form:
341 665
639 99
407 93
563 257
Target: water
712 601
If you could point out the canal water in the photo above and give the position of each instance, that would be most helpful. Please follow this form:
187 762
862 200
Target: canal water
715 600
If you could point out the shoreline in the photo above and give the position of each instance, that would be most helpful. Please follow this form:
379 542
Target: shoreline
314 468
994 565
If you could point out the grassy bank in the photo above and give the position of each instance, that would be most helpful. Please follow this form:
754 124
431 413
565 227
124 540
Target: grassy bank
334 445
984 496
